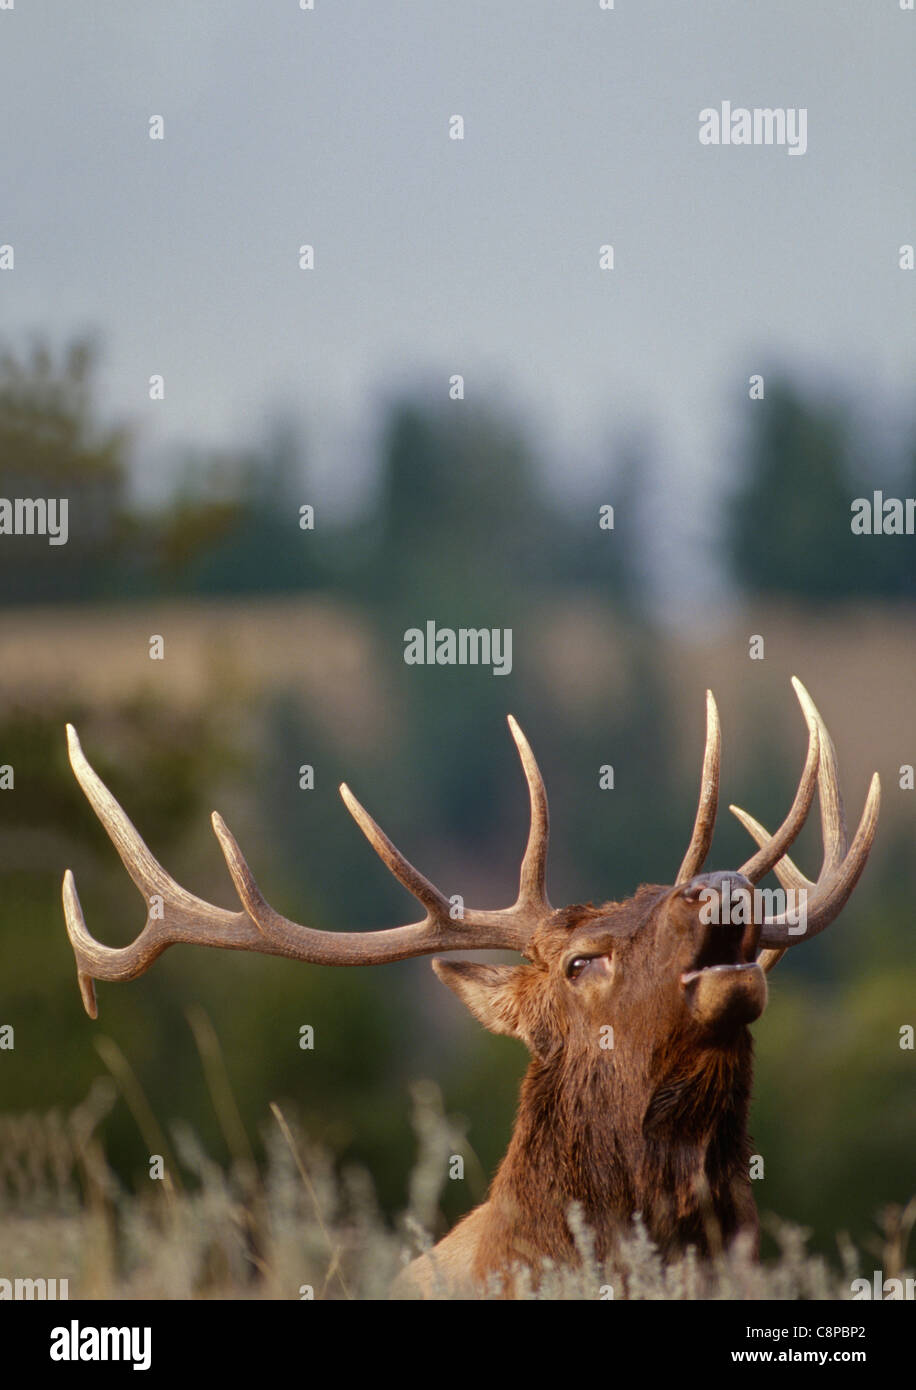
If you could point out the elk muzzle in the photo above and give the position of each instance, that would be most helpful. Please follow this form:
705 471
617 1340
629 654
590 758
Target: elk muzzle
723 985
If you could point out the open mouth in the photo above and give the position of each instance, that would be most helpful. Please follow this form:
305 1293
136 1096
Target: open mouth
724 986
725 949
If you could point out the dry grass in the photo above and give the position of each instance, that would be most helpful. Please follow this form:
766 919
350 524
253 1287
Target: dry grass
296 1228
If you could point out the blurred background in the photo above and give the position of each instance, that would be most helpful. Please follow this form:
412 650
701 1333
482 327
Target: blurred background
582 388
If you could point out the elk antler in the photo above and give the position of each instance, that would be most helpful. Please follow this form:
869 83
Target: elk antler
704 824
176 915
841 865
705 821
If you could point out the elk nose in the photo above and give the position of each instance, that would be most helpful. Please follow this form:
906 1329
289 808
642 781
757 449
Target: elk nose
728 896
708 884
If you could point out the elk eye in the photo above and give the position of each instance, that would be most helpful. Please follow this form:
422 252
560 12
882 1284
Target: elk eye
576 967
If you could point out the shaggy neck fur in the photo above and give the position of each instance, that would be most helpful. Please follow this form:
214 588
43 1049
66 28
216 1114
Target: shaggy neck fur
664 1135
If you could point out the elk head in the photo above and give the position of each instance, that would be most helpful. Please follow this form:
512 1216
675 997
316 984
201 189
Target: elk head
634 1012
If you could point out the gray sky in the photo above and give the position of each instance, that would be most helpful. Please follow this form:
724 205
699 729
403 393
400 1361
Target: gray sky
479 257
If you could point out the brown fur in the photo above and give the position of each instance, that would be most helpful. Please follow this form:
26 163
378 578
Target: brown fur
655 1125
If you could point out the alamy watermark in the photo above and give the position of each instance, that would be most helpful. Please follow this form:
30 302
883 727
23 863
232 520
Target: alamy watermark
883 516
740 906
757 125
883 1290
463 646
35 516
34 1290
80 1342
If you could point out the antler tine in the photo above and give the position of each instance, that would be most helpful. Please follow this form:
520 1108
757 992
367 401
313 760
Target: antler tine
833 817
789 875
830 893
175 915
705 821
436 904
785 869
532 886
510 927
842 864
436 932
774 847
145 870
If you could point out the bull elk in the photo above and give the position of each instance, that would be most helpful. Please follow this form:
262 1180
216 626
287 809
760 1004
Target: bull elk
655 1123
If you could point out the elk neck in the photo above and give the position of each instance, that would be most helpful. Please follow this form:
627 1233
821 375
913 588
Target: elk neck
663 1134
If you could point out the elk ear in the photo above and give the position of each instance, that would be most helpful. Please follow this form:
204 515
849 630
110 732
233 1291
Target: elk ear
489 991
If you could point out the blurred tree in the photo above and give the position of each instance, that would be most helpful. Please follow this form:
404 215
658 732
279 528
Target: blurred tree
457 513
52 446
234 525
788 530
789 523
464 514
892 559
615 564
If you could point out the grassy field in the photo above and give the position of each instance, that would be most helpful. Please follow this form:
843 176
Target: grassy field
296 1229
297 1219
